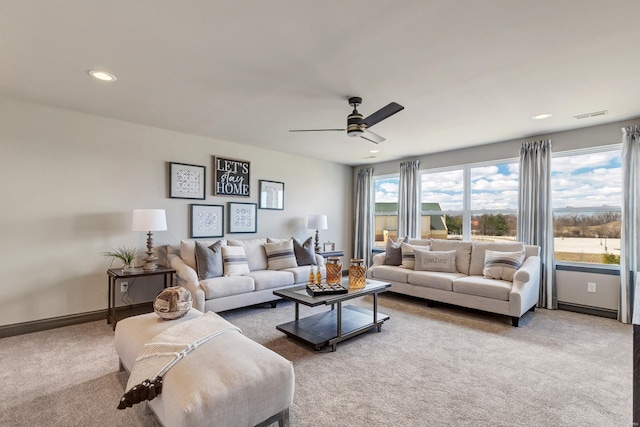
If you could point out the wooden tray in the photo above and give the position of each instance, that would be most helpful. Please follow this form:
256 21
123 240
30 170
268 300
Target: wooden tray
325 289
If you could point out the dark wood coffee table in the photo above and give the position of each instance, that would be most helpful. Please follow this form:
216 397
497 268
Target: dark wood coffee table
335 325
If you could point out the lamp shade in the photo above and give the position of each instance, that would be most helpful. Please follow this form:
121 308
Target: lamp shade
317 222
149 220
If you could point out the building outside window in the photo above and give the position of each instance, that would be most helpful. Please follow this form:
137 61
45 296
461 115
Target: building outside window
586 200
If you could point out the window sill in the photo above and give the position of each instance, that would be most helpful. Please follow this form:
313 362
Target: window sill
611 269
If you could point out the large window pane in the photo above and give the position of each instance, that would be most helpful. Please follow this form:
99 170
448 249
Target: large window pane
442 200
386 209
586 194
494 201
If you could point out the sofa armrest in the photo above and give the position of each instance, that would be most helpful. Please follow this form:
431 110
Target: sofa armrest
188 278
319 260
526 287
378 259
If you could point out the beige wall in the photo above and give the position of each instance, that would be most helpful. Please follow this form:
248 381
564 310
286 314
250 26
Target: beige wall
71 180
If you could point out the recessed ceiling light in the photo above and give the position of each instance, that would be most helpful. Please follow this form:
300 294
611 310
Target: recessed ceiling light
542 116
102 75
374 151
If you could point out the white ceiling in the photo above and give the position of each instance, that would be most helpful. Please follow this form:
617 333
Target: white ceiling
467 72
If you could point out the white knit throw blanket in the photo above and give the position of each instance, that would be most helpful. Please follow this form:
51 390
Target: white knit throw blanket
166 349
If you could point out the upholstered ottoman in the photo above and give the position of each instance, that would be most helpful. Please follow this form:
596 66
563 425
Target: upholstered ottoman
229 380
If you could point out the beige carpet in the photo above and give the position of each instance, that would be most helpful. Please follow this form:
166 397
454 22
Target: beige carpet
428 367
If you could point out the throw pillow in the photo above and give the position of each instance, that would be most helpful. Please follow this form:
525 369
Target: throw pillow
408 258
305 254
426 260
209 260
280 255
393 251
234 261
172 303
502 265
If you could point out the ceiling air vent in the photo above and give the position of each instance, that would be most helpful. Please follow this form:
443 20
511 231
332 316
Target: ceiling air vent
594 114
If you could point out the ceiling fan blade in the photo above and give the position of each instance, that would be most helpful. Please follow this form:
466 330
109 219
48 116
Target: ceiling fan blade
382 114
317 130
373 137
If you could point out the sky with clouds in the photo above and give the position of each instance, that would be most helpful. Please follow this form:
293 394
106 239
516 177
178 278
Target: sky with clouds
585 180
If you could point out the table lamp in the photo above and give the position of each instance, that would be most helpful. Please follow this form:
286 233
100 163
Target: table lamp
149 220
317 222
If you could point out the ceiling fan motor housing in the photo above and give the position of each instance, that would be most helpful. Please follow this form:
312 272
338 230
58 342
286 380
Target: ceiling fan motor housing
354 120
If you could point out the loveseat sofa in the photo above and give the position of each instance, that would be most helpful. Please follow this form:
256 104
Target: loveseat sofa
498 277
227 273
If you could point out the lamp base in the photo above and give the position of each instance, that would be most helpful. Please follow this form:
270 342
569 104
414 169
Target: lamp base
151 261
317 243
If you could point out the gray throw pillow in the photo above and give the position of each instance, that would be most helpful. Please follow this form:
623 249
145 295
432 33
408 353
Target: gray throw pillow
393 251
305 254
209 260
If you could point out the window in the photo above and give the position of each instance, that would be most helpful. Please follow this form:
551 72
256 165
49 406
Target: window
494 201
386 208
586 200
442 202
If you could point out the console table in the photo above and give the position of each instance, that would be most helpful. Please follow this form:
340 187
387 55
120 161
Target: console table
327 254
114 274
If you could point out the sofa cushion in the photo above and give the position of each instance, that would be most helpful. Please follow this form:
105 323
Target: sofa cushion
209 260
254 249
305 254
481 287
390 272
301 273
268 279
433 279
219 287
479 248
234 261
280 255
502 265
426 260
463 252
419 242
393 251
188 250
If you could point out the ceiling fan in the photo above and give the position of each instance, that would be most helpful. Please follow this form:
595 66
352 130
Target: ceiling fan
359 126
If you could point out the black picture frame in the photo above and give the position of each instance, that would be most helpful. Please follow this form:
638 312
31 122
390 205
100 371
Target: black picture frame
271 195
187 181
242 217
231 177
206 221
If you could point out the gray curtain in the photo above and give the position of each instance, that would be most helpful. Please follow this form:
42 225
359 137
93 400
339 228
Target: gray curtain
363 227
630 233
409 200
535 215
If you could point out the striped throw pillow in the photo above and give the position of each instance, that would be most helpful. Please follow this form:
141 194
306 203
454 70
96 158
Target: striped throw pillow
234 261
280 255
502 265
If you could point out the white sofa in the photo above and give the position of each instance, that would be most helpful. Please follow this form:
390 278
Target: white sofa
229 292
467 287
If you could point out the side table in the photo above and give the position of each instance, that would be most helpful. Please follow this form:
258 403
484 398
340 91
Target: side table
113 274
326 254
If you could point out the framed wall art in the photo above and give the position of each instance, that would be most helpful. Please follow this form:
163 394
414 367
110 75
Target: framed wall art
271 195
243 217
186 181
207 221
231 177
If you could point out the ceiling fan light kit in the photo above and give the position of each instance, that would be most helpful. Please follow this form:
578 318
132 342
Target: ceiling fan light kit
359 126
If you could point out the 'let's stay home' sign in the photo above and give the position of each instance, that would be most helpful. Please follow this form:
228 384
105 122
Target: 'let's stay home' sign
231 177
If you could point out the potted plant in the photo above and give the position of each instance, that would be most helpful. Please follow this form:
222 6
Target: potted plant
124 254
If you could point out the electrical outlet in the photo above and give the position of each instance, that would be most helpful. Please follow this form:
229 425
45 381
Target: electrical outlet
124 287
591 287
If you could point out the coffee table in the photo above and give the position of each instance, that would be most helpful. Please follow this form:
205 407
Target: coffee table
335 325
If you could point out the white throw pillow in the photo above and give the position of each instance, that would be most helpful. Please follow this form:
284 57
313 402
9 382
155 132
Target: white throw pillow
280 255
426 260
502 265
234 261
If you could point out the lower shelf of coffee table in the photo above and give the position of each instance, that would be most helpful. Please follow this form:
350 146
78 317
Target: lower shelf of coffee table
320 329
